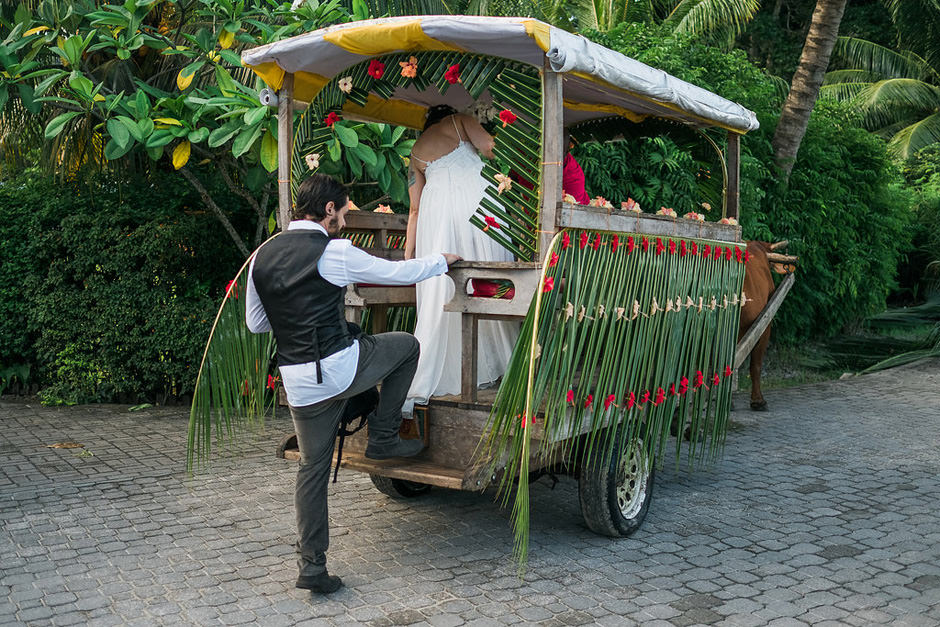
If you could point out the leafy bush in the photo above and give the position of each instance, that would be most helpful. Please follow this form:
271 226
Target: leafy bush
117 293
844 210
920 272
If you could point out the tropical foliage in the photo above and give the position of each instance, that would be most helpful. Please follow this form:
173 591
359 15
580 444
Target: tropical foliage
896 90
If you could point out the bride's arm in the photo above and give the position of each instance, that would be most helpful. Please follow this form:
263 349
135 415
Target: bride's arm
477 135
415 186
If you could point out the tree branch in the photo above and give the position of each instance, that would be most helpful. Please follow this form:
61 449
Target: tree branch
207 199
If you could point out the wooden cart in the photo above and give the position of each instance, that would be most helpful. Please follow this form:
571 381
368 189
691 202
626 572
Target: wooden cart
578 81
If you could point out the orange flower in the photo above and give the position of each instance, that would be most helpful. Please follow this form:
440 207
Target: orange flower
409 68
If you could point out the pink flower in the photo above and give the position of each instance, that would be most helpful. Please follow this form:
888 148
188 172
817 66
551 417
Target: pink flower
548 285
716 379
376 69
672 389
507 117
452 75
331 119
728 371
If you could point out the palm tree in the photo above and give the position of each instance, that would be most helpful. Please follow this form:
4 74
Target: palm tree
807 80
897 92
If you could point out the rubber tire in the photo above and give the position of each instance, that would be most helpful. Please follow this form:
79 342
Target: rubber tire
399 488
597 491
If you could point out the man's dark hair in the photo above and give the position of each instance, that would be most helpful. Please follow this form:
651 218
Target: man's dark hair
438 113
315 192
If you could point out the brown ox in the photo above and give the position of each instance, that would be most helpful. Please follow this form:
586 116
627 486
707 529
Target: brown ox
758 286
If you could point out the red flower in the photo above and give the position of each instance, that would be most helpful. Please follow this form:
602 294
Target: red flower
672 247
331 119
589 400
565 240
747 256
737 255
728 253
660 397
376 69
728 371
672 389
597 242
570 397
524 420
631 401
491 221
548 285
717 254
683 386
630 245
716 379
452 75
645 245
682 250
272 382
507 117
660 247
584 239
246 390
645 397
699 380
554 260
608 401
231 289
614 243
706 251
694 249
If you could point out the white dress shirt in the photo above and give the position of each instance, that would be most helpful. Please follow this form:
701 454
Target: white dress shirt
340 264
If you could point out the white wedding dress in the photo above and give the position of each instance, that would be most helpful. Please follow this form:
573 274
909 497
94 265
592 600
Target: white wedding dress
452 192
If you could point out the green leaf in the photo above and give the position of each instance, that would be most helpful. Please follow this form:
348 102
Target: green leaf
366 154
123 54
335 150
155 153
22 15
43 85
254 116
145 126
245 141
346 135
120 135
269 152
28 99
81 84
142 104
224 133
58 123
4 95
225 81
132 128
113 150
159 138
198 135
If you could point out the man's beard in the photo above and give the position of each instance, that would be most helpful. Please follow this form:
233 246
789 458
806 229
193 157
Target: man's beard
332 227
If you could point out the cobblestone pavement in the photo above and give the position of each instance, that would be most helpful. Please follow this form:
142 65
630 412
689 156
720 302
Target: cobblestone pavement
825 510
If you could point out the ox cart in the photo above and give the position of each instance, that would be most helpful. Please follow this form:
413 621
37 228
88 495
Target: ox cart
629 320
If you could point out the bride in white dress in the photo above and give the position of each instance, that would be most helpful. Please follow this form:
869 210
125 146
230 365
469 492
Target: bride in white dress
445 190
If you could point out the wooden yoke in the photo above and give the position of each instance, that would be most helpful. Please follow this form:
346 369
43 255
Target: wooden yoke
553 123
285 137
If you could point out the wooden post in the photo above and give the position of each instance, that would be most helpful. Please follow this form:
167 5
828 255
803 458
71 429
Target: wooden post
285 136
553 152
468 371
733 193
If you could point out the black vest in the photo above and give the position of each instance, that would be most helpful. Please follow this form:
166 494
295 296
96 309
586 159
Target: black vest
305 310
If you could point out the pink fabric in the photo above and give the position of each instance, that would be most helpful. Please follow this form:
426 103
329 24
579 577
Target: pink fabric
572 180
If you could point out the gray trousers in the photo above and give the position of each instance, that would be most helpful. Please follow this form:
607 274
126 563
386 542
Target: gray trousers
389 358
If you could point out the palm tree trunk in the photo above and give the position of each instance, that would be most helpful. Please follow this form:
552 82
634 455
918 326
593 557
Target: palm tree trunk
823 31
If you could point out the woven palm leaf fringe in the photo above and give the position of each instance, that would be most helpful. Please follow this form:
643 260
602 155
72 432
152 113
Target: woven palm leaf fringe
627 331
509 216
234 390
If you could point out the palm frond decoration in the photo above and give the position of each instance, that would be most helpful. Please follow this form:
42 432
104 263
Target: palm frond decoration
508 216
235 388
627 331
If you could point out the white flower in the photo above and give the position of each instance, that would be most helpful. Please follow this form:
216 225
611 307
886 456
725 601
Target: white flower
345 84
666 211
631 205
694 216
571 200
382 209
600 201
706 206
731 221
313 160
504 182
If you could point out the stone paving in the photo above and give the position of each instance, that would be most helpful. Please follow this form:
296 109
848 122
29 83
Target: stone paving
824 510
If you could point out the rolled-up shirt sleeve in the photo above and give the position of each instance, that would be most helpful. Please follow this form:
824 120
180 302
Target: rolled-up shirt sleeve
342 264
255 316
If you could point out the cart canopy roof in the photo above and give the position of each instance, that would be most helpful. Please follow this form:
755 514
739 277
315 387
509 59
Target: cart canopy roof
597 81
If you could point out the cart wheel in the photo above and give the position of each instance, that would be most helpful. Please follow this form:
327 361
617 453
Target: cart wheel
615 495
399 488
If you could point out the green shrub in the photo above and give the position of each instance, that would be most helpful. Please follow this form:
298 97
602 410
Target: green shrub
920 272
120 288
844 210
